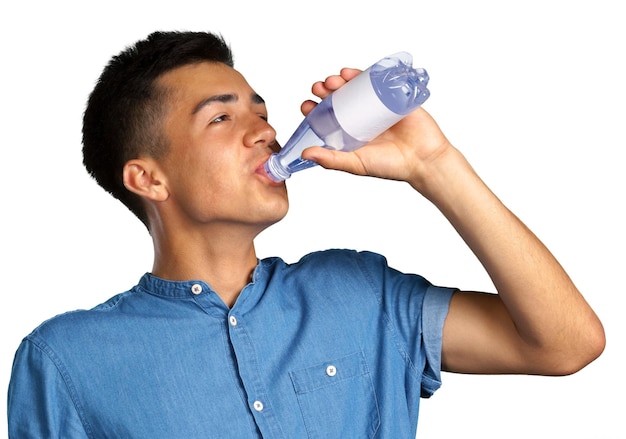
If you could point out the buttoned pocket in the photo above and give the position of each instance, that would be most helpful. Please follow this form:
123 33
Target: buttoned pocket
337 398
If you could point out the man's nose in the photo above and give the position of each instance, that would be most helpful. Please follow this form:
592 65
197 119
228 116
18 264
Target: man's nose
259 132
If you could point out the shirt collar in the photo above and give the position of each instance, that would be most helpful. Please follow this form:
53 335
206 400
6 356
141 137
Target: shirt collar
199 290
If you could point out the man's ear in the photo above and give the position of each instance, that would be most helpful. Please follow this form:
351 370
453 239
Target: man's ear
144 178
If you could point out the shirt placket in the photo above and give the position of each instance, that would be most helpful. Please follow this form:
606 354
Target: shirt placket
251 377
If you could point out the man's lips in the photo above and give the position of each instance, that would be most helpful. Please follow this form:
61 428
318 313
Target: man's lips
260 169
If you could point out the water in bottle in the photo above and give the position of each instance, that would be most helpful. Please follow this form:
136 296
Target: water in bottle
356 113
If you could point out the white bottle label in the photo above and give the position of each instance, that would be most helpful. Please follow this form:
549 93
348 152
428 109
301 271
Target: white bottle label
359 111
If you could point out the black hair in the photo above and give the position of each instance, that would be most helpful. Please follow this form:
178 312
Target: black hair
124 112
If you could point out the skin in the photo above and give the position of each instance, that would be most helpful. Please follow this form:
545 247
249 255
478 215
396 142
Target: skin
209 198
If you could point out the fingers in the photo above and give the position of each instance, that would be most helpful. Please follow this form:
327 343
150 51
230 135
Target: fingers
323 89
307 106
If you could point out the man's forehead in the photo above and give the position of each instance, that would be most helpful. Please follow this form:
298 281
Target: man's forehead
195 87
204 75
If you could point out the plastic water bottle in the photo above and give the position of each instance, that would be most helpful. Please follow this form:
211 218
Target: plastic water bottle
356 113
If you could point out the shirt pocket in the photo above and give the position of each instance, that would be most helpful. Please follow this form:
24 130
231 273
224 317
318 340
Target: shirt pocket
337 398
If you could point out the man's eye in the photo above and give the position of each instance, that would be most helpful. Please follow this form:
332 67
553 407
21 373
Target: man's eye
263 116
220 118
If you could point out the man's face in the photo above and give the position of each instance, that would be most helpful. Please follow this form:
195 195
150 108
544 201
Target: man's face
219 140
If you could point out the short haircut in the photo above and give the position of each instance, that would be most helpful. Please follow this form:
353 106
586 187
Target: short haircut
124 112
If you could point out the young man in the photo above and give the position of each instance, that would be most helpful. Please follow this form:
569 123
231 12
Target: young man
215 343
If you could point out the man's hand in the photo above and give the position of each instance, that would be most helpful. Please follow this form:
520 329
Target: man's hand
400 153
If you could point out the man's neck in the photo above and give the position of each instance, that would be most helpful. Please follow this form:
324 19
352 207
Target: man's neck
224 259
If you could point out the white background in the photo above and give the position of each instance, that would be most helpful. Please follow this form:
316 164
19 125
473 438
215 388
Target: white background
531 91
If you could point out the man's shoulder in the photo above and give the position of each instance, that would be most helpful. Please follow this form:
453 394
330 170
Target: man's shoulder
329 266
69 323
339 255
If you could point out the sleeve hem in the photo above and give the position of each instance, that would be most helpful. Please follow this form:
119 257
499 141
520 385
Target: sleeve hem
434 312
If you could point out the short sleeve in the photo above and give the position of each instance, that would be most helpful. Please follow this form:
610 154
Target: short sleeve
434 312
417 310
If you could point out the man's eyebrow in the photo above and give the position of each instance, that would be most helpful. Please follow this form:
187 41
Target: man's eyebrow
257 99
226 98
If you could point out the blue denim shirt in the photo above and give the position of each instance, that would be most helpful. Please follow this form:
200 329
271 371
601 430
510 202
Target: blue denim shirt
338 345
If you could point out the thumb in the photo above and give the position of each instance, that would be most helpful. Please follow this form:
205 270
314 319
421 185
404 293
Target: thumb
337 160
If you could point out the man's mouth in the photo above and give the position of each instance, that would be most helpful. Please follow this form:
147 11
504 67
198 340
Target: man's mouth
261 171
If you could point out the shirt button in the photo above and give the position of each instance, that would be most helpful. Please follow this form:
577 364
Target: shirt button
196 289
258 406
331 371
232 320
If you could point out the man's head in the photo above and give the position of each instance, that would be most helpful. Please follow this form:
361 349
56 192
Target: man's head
124 114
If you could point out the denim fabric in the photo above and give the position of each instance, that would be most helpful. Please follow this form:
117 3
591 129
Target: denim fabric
334 346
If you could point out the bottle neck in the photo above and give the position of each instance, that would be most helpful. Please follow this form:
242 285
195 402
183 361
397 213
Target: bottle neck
275 170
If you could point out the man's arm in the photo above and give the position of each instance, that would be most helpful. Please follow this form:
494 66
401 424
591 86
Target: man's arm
538 323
